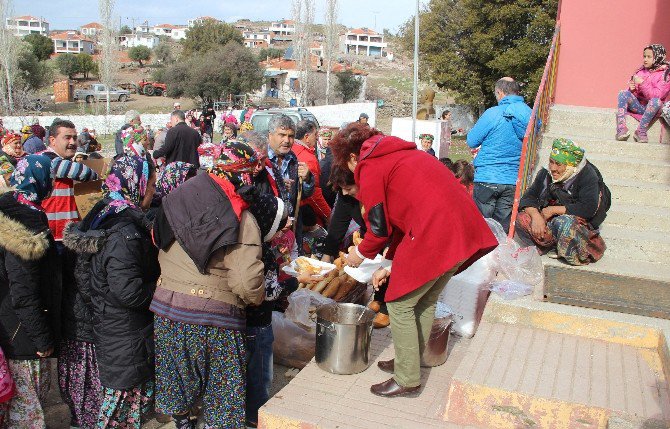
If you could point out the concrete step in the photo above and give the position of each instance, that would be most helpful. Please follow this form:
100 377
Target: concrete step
518 376
611 265
632 245
628 149
655 171
638 217
597 123
637 193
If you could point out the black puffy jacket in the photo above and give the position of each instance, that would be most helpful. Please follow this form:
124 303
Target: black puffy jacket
123 279
30 281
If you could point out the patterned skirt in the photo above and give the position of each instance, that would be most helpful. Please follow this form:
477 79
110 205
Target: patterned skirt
126 409
33 380
79 382
194 361
571 236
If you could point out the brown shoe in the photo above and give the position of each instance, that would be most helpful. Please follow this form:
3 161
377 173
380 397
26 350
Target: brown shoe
386 365
390 388
375 306
381 320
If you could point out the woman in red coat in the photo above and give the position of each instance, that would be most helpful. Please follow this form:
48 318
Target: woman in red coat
416 207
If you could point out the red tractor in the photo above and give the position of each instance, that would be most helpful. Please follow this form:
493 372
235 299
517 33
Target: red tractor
151 88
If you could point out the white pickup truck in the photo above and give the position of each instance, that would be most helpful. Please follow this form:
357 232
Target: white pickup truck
98 92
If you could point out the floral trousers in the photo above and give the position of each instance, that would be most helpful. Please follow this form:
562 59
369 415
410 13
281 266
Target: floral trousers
33 380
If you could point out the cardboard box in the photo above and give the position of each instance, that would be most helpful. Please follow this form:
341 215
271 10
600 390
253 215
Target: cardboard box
86 195
100 166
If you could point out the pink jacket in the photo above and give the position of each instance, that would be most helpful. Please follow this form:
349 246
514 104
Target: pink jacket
653 86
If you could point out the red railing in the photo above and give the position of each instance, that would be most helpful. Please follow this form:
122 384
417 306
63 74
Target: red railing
538 122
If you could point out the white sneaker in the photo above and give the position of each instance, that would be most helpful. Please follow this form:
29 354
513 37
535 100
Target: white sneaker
553 254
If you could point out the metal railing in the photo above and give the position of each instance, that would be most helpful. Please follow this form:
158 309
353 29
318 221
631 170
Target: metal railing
537 124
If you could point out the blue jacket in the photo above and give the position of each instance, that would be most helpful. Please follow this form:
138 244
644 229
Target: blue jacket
500 132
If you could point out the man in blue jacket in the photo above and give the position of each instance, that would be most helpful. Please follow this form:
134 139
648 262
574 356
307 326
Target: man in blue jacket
499 133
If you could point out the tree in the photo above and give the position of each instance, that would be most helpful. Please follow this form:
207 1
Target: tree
126 30
331 41
163 53
42 46
209 35
348 86
86 64
467 45
109 41
8 57
303 15
33 74
230 69
266 53
68 64
139 54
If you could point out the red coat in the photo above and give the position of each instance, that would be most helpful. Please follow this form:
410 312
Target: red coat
317 202
413 200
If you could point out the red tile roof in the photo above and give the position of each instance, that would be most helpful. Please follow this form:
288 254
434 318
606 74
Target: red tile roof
92 25
69 36
29 18
364 31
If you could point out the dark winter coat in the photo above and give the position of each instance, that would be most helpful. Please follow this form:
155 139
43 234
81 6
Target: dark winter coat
181 144
124 272
347 208
30 281
582 195
77 307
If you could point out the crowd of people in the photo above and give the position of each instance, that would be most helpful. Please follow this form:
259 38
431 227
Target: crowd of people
160 298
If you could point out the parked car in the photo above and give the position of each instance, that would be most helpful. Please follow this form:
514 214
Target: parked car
98 92
261 118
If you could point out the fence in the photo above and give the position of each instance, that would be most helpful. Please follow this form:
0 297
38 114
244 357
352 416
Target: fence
538 122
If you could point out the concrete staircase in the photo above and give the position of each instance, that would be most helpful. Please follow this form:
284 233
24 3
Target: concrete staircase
633 276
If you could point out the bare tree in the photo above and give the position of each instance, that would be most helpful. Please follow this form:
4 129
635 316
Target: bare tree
331 41
9 44
303 15
108 41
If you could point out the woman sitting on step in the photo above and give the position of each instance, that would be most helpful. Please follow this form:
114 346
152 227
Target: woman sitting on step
561 211
643 99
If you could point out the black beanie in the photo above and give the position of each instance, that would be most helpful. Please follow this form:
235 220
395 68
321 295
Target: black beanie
270 214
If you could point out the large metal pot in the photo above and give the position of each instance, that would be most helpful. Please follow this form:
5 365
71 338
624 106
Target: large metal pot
435 353
343 333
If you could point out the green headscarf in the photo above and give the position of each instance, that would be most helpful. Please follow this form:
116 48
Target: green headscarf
566 152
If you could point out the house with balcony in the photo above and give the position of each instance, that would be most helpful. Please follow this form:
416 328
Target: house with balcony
71 42
24 25
282 31
175 32
91 30
137 39
256 38
363 41
200 20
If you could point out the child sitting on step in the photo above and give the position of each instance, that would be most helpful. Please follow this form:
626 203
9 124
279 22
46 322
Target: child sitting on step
643 99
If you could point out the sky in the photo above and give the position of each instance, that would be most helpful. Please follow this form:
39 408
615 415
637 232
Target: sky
70 14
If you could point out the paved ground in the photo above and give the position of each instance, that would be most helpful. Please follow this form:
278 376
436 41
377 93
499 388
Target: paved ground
58 415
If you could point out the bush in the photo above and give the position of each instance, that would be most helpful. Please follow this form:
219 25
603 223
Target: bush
68 64
348 86
139 54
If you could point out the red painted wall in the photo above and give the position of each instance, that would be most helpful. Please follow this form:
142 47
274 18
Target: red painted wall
601 46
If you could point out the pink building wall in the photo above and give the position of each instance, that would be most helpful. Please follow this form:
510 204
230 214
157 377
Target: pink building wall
601 46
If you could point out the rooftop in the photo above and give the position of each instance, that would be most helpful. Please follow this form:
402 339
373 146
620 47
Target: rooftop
69 35
364 31
29 18
92 25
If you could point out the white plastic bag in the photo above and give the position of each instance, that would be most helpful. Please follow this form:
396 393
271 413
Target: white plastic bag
300 303
520 264
510 289
293 345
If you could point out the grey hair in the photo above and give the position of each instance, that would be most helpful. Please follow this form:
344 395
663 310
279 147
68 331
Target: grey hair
303 127
179 114
280 121
256 140
131 114
508 86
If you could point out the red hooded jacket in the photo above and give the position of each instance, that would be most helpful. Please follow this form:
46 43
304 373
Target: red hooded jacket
317 201
416 203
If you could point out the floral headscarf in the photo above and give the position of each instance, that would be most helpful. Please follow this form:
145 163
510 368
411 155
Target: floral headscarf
32 180
236 163
246 126
6 166
429 137
132 141
10 140
125 186
659 55
173 175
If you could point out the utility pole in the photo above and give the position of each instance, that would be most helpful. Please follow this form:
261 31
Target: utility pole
415 95
375 13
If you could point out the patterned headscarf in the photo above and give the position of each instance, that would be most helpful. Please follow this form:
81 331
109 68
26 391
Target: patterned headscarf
6 165
173 175
125 186
659 55
10 139
132 141
246 126
236 163
32 179
566 152
26 133
426 136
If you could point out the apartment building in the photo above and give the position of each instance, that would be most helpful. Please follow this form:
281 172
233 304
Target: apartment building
363 41
71 42
24 25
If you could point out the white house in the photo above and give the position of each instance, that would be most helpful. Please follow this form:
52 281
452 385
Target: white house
72 42
176 32
363 41
256 39
24 25
200 20
132 40
91 30
282 30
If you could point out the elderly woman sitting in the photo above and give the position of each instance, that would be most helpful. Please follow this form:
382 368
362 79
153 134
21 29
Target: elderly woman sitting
565 205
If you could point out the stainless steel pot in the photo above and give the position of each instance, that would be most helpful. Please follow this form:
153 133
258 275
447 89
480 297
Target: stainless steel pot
435 353
343 333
